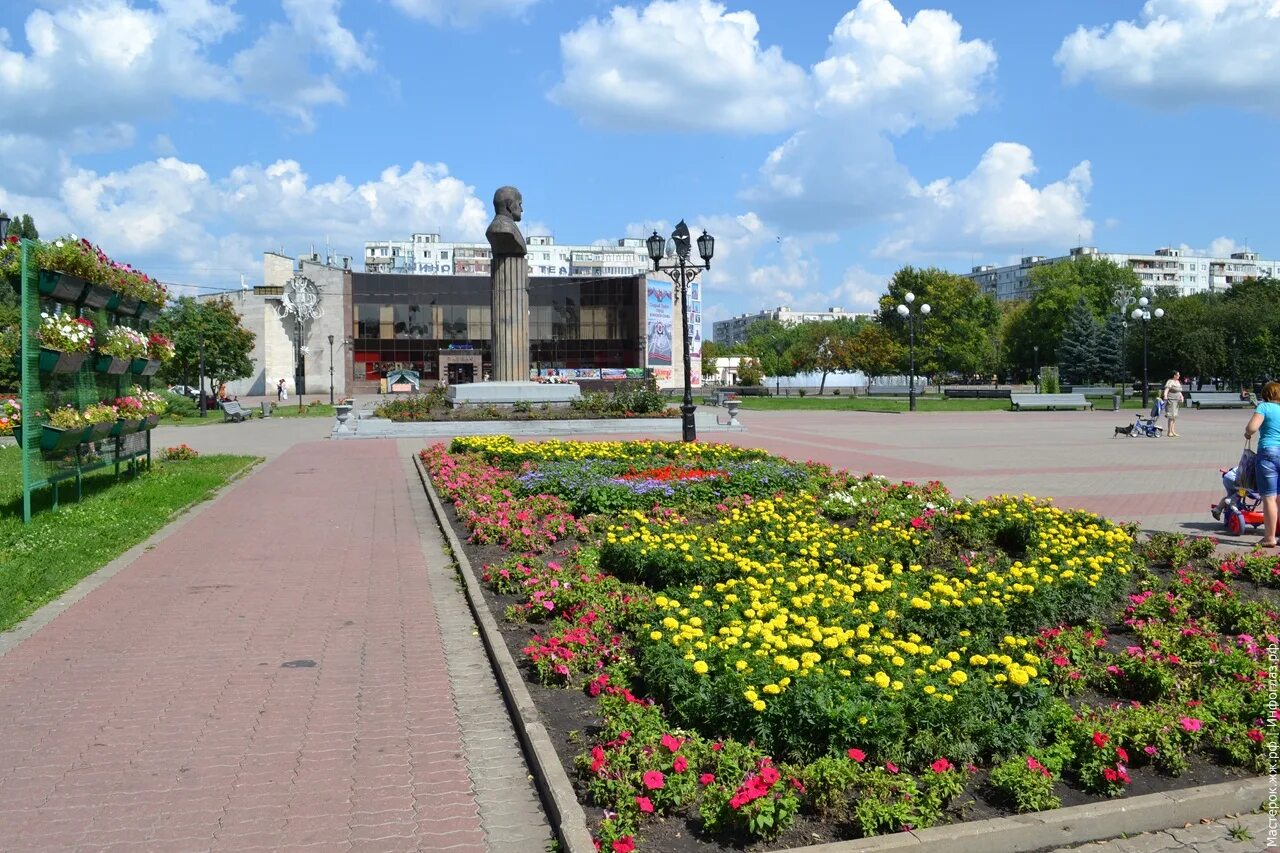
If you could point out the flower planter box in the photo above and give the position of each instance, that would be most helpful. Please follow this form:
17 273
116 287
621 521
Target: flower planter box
144 366
148 313
150 421
98 431
125 427
97 296
53 361
61 287
111 365
128 306
52 438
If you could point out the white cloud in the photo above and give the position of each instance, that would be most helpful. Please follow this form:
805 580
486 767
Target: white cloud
679 63
461 13
174 217
1184 52
897 74
882 76
995 207
859 290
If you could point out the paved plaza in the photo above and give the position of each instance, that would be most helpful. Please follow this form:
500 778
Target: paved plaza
292 666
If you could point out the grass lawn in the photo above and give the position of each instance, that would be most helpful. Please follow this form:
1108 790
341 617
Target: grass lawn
40 561
894 404
283 410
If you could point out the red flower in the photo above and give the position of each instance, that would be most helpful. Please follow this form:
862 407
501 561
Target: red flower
654 780
1124 756
671 743
680 764
625 844
941 766
1254 735
857 755
1100 740
769 774
645 804
706 779
891 767
1110 774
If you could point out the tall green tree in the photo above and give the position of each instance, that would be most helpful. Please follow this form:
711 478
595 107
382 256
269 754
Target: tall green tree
211 326
873 351
956 336
1077 354
712 350
1111 360
771 343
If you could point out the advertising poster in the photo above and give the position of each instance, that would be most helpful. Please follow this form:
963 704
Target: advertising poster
613 373
635 373
663 376
658 315
695 371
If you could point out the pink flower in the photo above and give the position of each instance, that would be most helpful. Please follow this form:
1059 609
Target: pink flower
857 755
1100 740
680 764
1254 735
1149 749
645 804
769 774
625 844
671 743
940 766
654 780
1124 756
891 767
706 779
1190 724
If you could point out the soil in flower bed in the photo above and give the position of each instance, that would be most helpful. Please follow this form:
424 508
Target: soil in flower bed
573 721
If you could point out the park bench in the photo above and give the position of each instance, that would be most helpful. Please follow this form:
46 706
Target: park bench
232 411
719 398
1049 401
978 393
1095 390
892 390
1218 400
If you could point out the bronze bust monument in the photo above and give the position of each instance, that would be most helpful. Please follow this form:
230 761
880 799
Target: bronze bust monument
503 235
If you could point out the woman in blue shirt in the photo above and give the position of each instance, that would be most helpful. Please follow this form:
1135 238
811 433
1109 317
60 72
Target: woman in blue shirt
1266 424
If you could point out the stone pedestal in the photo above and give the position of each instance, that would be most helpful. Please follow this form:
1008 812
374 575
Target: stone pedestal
508 393
509 280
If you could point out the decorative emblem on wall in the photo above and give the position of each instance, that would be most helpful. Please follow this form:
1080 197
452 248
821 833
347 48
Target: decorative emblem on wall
301 298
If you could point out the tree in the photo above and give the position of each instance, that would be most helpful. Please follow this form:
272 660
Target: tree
771 344
22 225
957 334
710 352
873 351
1078 350
1111 360
214 326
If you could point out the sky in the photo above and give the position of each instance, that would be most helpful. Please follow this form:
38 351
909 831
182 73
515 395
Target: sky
825 144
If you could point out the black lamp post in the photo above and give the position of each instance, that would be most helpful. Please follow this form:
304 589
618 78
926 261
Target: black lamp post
299 373
1035 377
4 225
937 360
204 406
331 370
1143 314
682 273
1124 358
904 310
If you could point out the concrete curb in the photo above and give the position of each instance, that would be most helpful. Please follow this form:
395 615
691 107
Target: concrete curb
12 638
559 798
1016 834
383 428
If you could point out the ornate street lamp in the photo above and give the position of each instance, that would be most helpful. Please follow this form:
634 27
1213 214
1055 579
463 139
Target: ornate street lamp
331 370
1143 314
682 273
4 225
1035 377
904 310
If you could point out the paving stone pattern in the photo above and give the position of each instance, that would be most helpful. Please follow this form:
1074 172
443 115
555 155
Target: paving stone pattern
272 676
1212 837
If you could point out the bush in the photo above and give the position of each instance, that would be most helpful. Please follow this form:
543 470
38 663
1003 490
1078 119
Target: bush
178 454
179 406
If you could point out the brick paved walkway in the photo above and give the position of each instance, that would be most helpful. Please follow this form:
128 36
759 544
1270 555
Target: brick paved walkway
273 675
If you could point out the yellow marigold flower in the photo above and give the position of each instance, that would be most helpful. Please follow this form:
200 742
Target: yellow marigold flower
700 667
655 635
758 705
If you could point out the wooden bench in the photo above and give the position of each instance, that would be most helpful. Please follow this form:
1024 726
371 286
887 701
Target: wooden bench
1218 400
231 411
978 393
1049 401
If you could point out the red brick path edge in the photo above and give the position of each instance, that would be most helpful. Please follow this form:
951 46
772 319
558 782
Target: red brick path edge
271 676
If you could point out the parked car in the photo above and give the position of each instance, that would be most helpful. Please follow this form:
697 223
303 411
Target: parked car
185 391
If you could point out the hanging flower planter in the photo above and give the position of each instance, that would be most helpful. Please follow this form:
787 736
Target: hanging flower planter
52 438
97 296
60 286
149 313
128 306
99 430
53 361
144 366
111 365
150 421
127 426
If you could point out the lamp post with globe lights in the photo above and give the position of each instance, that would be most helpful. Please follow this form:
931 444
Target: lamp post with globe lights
1145 315
904 311
682 273
1035 377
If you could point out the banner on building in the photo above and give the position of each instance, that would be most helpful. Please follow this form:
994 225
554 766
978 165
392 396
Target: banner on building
658 327
613 373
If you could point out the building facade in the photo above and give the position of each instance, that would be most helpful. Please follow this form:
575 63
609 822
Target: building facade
1165 267
734 330
437 328
427 254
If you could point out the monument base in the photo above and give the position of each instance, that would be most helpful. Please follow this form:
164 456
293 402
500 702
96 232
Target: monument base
509 393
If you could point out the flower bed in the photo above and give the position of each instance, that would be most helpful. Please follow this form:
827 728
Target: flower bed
777 650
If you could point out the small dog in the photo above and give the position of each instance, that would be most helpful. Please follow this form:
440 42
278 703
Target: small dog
1124 430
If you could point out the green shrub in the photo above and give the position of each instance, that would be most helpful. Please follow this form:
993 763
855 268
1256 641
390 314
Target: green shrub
179 406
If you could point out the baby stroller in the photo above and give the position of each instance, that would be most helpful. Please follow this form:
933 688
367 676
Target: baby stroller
1239 508
1144 426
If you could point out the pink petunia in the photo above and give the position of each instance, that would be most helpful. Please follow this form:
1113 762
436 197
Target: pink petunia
706 779
941 766
891 767
645 804
857 755
625 844
680 764
1100 740
654 780
1190 724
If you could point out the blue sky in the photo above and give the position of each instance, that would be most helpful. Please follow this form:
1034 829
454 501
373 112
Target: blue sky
824 143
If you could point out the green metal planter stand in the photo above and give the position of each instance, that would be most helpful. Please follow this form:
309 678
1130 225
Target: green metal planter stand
43 391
